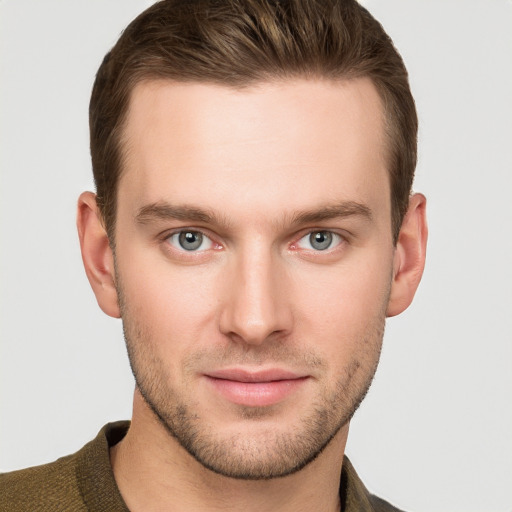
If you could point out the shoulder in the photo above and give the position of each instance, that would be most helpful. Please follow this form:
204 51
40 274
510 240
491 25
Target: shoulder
380 505
75 483
356 497
48 487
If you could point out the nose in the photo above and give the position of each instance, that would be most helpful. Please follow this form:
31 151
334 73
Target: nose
256 305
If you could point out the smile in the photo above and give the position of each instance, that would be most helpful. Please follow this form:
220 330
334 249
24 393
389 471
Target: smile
255 389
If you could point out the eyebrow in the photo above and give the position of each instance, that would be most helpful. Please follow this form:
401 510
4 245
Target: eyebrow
166 211
335 211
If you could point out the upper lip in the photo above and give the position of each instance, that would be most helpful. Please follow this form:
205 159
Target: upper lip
243 375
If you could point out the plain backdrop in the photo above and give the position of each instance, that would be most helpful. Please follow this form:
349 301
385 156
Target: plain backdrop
435 432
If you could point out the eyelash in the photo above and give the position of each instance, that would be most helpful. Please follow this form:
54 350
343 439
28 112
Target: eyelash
337 240
177 233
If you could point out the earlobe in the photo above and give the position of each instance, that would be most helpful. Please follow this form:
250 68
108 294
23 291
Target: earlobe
409 258
97 254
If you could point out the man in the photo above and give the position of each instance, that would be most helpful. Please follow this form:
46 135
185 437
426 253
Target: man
253 226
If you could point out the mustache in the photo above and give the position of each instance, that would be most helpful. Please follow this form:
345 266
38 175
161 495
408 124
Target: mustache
271 354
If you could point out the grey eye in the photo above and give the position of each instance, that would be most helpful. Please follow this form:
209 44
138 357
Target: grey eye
320 240
190 240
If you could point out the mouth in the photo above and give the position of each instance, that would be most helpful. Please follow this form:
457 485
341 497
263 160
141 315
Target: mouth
255 388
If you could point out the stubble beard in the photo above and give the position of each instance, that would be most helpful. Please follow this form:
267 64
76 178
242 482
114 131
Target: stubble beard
272 454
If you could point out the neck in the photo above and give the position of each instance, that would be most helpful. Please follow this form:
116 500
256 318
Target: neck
154 472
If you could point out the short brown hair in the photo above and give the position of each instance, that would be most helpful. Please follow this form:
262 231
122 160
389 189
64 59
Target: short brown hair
241 42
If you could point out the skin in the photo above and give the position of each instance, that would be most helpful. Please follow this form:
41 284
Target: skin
256 171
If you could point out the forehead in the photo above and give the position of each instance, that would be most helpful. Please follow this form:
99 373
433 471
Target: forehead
291 144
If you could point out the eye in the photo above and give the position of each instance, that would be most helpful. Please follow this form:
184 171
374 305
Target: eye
319 240
189 240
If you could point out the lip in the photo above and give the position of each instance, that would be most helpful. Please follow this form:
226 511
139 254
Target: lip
255 388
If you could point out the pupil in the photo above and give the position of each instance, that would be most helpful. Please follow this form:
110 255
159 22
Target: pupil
321 240
190 240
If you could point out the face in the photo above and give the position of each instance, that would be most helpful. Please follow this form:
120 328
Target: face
254 261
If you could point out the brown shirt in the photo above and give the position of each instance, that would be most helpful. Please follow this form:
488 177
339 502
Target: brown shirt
84 482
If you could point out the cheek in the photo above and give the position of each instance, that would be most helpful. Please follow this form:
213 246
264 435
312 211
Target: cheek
349 290
172 303
342 306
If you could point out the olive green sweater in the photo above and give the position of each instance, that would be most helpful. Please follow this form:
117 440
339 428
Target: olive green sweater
84 482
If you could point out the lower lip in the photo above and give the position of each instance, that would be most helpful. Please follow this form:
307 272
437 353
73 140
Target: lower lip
256 394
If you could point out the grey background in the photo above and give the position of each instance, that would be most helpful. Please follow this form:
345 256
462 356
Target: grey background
435 433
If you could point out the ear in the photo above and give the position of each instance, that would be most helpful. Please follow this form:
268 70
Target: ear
409 258
96 254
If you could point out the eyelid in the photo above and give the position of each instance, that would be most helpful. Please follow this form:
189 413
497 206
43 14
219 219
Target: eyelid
217 245
166 235
341 238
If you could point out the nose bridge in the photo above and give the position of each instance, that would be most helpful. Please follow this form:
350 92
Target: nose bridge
256 306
